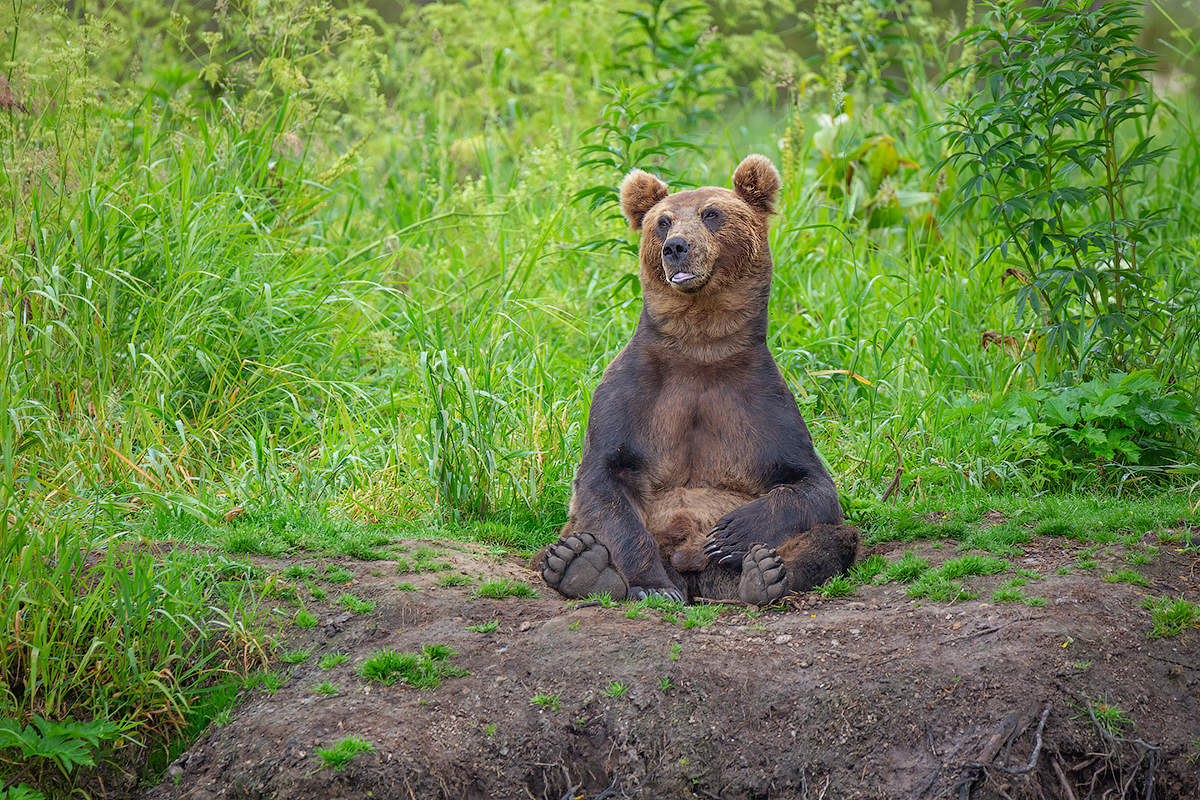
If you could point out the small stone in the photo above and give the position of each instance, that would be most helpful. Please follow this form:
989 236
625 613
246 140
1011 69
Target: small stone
805 664
855 631
524 626
783 639
174 772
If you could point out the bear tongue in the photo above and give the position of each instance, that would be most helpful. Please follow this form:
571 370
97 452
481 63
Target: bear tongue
680 277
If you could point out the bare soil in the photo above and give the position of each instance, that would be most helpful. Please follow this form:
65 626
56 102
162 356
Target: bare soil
870 696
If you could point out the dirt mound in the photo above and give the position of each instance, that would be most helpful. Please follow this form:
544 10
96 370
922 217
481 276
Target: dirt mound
873 695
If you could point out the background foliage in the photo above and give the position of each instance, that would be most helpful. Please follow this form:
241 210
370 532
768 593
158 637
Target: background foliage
364 260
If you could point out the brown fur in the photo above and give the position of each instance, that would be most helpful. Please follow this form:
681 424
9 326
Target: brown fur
694 437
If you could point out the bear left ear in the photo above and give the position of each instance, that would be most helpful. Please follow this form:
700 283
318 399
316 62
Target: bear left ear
756 181
639 192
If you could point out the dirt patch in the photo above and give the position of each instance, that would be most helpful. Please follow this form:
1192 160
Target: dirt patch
874 695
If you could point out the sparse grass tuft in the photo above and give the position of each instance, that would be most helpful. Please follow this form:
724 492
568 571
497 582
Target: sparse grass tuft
698 616
491 626
327 688
838 586
342 753
1127 576
455 579
306 619
545 700
424 670
1171 615
336 574
297 656
355 604
616 689
331 660
498 588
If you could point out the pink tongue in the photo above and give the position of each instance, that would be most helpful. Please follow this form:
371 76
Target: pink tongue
680 277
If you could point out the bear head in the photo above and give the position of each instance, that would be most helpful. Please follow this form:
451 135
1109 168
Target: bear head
703 241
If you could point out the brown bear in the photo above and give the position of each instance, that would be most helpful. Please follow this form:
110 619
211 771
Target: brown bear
699 477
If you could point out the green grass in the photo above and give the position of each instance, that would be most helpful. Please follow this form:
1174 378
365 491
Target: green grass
340 754
297 656
1171 616
1127 576
336 574
491 626
498 588
455 580
327 688
268 324
331 660
424 670
616 689
406 587
355 604
546 700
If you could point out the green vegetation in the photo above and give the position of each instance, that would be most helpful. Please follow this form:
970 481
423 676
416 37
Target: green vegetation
1127 576
1109 716
424 670
327 688
297 656
545 700
1171 615
355 604
616 689
306 619
499 588
455 580
295 280
343 752
331 660
491 626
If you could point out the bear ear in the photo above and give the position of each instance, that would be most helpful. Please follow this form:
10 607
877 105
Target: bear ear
639 192
756 181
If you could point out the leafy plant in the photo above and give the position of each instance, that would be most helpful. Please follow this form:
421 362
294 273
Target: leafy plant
1123 418
67 744
327 688
1052 149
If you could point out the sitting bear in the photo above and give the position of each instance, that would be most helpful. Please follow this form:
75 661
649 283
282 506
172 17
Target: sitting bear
699 477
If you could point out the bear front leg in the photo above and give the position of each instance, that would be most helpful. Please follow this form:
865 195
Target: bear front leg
773 519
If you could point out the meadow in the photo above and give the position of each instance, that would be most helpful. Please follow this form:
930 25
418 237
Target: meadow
298 276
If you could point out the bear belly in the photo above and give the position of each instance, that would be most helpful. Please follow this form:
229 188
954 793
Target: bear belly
681 518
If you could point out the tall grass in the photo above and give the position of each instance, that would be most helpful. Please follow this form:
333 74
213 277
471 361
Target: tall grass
343 266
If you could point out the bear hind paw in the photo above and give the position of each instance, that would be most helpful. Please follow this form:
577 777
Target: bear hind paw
764 577
578 565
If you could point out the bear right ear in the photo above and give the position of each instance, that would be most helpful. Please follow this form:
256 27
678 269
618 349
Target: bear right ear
639 192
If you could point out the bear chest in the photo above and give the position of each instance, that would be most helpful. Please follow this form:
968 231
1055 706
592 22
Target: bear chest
702 434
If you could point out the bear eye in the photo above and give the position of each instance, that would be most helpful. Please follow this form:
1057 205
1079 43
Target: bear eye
663 223
709 213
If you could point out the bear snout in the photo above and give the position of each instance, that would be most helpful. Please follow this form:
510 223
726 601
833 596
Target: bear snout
675 251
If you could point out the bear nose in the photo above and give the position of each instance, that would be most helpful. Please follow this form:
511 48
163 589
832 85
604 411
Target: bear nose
675 250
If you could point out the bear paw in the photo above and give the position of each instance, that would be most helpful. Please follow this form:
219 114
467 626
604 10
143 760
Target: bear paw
764 577
578 565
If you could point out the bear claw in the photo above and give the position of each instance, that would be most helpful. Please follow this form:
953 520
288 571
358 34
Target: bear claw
764 577
578 565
